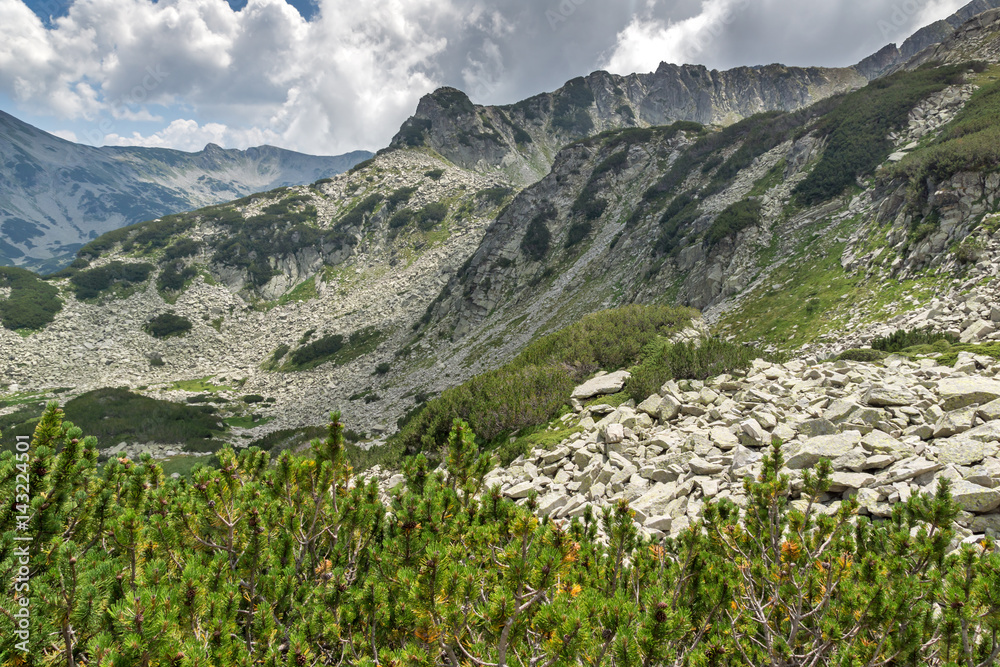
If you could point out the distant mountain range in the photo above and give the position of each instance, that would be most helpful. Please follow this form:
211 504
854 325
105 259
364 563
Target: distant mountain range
56 195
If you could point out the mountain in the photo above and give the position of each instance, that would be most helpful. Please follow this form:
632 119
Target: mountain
522 139
56 195
891 56
805 232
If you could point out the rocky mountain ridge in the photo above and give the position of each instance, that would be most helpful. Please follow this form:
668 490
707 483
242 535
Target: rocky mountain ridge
522 139
57 195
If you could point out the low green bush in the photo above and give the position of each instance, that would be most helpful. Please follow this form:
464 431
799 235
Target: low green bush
862 354
92 283
535 386
709 358
116 414
578 231
537 237
734 219
166 325
900 339
32 302
857 130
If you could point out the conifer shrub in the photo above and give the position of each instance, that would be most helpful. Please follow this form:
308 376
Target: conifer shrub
92 283
32 302
166 325
901 339
709 358
569 109
172 278
494 196
356 216
431 215
400 196
537 237
434 174
862 354
733 219
535 385
115 415
296 560
578 231
181 249
857 130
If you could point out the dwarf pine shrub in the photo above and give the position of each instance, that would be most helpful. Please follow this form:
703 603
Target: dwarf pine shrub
294 560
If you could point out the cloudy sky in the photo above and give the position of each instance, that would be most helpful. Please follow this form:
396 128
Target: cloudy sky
329 76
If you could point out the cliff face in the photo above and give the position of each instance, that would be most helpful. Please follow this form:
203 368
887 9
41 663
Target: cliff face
523 138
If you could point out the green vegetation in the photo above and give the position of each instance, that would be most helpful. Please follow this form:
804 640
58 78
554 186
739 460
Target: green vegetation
32 302
414 131
578 231
734 219
93 283
664 361
569 109
857 130
900 340
356 216
200 385
116 414
166 325
334 348
494 196
865 355
682 212
282 229
297 562
434 174
970 142
537 237
174 277
400 196
534 387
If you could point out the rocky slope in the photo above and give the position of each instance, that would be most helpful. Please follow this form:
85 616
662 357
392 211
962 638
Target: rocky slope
375 278
890 431
56 195
891 56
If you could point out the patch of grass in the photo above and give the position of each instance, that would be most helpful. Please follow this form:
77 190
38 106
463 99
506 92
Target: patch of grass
949 353
304 291
247 421
201 385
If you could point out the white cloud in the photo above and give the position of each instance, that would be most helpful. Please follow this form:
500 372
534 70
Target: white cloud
196 71
646 42
188 135
330 85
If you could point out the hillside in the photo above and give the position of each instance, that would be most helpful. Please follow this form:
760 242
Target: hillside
804 232
56 195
